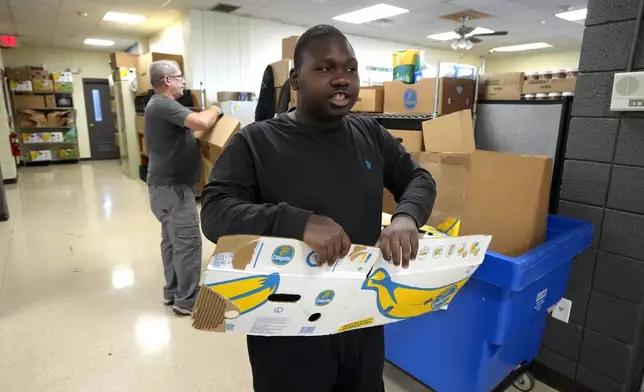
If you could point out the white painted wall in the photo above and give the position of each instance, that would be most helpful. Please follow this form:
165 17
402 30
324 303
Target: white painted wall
546 61
229 52
7 162
92 64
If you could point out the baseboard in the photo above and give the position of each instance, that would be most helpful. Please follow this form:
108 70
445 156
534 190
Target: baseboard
556 380
10 181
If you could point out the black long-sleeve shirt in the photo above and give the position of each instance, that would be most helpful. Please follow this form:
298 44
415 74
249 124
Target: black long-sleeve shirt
274 174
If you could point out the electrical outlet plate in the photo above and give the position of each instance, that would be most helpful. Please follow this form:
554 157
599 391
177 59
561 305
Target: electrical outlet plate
562 310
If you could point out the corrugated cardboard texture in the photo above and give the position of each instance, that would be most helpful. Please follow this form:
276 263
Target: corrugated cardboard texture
210 310
281 71
502 86
370 100
288 47
451 173
453 133
212 143
123 60
549 86
397 91
508 198
411 140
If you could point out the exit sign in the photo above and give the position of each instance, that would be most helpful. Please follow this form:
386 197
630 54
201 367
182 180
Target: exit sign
8 41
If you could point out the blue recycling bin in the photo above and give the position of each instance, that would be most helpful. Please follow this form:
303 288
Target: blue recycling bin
495 323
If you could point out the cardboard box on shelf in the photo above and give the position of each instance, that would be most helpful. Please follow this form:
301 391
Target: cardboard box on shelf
456 94
120 74
411 140
29 101
17 74
62 77
64 87
123 60
288 46
549 86
38 73
21 86
143 63
43 85
370 99
50 101
361 290
281 71
215 141
138 123
507 86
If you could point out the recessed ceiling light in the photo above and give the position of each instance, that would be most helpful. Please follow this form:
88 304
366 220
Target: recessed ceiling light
98 42
518 48
452 35
368 14
120 17
573 15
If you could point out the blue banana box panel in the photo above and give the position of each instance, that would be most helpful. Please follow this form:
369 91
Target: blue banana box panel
496 322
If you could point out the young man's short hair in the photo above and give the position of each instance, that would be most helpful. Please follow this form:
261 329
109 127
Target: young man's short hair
319 31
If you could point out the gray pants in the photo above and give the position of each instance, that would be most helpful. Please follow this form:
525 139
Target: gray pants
176 209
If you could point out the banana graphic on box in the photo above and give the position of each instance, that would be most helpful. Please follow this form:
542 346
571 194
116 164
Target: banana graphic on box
398 301
248 293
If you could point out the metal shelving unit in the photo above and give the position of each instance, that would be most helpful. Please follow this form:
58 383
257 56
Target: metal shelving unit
54 147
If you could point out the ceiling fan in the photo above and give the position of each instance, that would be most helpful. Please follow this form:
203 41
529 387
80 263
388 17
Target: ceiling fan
466 39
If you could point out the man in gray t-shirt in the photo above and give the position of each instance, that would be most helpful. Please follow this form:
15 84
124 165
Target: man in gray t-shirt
173 169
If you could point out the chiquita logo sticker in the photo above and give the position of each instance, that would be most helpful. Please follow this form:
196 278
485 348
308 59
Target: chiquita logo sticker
283 255
325 298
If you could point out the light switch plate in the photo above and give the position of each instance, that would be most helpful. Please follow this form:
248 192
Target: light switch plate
562 309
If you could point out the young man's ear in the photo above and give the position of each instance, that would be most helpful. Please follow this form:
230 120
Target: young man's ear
294 79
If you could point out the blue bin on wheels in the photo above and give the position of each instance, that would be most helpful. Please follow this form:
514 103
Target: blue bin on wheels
494 324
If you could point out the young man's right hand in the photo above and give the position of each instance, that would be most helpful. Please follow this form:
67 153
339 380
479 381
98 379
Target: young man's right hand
327 239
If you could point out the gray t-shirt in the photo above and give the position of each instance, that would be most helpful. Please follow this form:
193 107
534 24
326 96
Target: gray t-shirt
172 148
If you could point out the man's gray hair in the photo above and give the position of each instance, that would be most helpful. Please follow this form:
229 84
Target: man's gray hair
161 68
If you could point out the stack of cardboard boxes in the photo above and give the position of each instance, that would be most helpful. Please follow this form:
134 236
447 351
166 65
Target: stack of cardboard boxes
282 69
39 80
123 66
513 86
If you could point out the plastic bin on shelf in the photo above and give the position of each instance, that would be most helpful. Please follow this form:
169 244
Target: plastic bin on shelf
495 323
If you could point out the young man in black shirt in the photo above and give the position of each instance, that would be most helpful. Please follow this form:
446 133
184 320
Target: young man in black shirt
317 174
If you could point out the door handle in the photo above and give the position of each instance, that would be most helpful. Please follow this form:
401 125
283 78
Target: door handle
91 125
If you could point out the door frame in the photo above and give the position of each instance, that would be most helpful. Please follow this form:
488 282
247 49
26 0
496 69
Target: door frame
106 82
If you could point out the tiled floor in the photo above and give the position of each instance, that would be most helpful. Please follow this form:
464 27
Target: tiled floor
80 298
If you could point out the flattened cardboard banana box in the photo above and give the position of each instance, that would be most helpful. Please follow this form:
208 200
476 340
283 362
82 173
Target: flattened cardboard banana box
273 287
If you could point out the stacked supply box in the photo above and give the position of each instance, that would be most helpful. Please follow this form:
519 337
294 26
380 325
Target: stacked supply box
63 82
19 79
508 86
456 94
370 100
123 66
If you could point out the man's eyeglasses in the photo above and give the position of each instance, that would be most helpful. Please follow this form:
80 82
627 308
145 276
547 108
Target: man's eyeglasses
172 76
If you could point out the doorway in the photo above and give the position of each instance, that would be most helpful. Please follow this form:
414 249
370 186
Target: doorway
100 121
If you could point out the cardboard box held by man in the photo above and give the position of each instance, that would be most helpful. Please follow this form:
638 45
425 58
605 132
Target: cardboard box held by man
273 286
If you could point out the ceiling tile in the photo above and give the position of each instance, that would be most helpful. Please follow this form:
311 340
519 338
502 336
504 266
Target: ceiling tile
91 7
32 16
502 8
7 28
553 6
475 3
40 5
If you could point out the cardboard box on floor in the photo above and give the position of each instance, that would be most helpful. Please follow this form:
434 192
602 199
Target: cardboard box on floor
507 86
370 100
411 140
273 287
506 194
456 94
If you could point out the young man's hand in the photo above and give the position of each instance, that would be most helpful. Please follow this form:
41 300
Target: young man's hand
327 239
399 240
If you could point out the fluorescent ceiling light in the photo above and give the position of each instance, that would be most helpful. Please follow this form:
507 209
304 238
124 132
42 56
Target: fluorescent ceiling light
368 14
518 48
120 17
452 35
98 42
573 16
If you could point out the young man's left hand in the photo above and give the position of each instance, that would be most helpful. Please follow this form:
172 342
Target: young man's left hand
399 240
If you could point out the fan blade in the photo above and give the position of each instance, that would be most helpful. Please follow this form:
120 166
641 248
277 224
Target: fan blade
474 40
464 30
495 34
